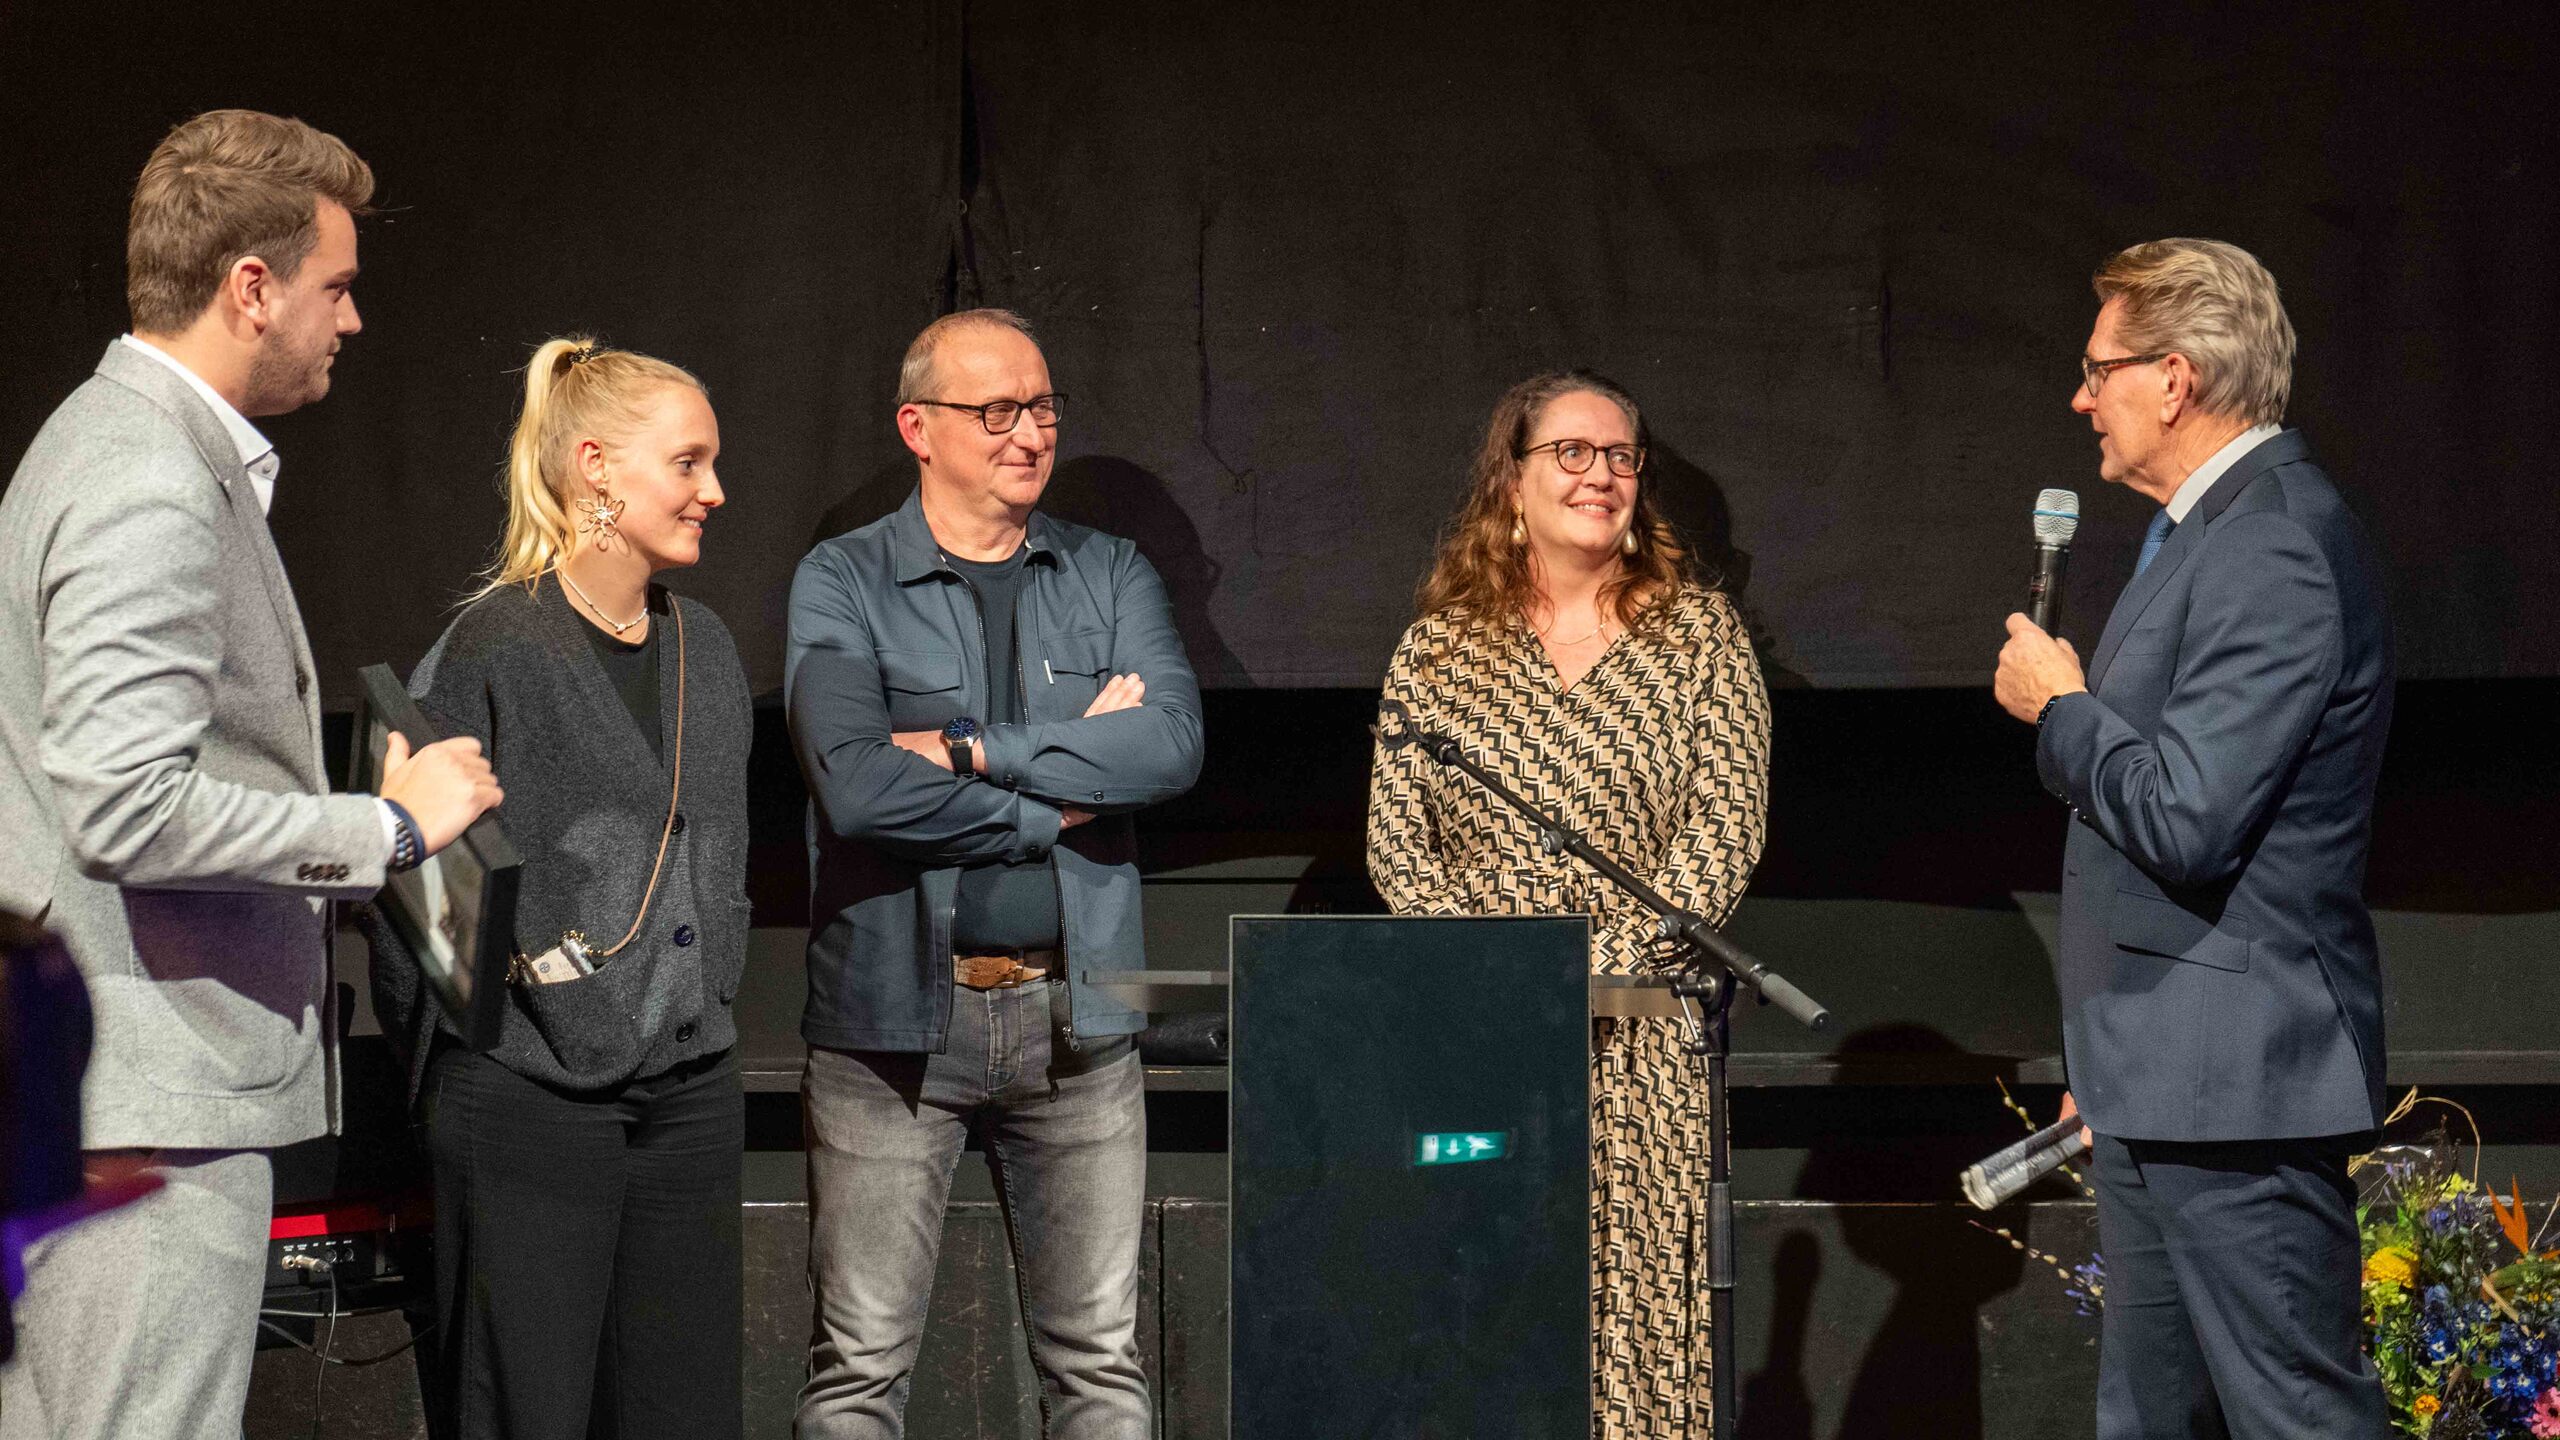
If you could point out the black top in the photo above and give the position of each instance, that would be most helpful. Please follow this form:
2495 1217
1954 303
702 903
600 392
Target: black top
633 669
1001 906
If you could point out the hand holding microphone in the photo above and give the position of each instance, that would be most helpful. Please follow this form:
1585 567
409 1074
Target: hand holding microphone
2036 665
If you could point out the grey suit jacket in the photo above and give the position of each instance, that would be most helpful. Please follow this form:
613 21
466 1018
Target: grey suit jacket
162 801
2218 969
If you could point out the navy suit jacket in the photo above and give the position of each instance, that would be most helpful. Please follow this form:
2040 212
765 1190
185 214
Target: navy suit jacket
2217 964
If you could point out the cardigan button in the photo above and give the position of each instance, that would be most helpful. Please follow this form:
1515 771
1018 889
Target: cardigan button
684 1033
677 825
684 935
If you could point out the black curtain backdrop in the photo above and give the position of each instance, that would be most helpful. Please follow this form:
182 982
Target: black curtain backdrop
1285 256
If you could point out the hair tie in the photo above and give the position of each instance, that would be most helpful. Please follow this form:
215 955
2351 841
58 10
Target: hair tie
583 353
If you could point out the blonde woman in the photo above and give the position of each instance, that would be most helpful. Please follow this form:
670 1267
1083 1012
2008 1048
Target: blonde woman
1566 644
587 1167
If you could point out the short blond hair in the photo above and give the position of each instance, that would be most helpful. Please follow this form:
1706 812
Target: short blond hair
2216 305
916 378
224 185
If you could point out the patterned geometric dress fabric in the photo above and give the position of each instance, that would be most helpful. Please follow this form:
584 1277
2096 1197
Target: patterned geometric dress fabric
1660 756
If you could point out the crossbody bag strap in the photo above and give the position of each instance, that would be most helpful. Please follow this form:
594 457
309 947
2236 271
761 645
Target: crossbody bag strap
675 794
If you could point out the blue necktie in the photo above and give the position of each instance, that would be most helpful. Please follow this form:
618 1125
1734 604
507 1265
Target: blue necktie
2152 540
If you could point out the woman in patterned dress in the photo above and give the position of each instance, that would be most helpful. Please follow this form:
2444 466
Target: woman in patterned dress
1567 643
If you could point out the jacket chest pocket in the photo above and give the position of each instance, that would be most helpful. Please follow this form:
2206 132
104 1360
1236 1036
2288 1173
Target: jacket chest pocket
923 687
2149 640
1067 673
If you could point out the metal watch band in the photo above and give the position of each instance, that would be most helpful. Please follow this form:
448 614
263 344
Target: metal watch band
408 846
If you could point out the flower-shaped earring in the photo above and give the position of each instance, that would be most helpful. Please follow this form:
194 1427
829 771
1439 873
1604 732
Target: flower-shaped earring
599 517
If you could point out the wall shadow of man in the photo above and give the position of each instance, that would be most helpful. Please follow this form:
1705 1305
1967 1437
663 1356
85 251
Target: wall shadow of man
1693 500
1921 1373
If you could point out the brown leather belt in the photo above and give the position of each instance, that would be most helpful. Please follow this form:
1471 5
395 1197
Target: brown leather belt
1003 972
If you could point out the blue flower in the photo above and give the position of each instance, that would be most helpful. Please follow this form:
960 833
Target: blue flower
2088 1285
2438 1218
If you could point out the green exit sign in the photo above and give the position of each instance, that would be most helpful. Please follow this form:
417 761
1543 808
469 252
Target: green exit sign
1459 1147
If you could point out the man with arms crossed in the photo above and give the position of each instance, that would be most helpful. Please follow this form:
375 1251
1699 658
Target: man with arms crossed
161 785
979 696
2221 991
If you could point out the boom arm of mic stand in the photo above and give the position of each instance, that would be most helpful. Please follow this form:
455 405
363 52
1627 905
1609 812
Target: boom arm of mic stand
1677 924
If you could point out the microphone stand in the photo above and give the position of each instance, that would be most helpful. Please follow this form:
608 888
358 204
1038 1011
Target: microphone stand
1710 988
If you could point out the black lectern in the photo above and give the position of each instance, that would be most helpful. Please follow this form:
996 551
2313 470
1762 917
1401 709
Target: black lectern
1411 1177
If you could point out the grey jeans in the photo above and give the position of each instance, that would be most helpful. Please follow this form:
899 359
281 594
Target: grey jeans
1066 1137
139 1324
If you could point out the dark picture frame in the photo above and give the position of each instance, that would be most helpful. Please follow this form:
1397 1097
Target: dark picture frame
456 911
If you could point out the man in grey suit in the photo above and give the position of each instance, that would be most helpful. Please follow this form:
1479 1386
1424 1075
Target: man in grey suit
2221 990
161 785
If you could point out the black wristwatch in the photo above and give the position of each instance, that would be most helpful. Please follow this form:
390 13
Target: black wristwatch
960 737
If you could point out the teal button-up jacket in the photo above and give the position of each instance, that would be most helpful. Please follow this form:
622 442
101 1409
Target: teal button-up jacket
884 636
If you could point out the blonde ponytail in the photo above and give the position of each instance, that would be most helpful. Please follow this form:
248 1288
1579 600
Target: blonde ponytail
574 390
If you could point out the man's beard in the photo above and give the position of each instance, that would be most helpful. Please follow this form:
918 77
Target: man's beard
282 379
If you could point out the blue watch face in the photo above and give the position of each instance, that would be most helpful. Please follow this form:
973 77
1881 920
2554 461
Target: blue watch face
961 729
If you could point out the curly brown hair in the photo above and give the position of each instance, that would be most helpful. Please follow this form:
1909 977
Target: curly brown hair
1483 577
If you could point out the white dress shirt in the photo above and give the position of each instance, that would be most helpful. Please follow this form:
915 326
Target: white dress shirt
2215 466
257 452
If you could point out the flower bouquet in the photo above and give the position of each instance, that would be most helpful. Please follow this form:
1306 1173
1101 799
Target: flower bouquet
2461 1299
2462 1308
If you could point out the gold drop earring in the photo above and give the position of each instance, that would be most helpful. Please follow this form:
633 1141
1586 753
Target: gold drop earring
1519 528
1627 542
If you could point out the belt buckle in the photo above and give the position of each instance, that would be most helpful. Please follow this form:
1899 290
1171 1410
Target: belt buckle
987 972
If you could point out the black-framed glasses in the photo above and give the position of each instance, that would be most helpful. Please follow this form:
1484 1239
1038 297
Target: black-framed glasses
2094 373
1000 416
1574 457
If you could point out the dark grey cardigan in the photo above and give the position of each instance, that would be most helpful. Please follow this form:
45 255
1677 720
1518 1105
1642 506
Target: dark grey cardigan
586 803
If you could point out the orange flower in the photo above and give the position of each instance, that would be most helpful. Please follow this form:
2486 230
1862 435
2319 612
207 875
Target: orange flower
2510 1208
2426 1405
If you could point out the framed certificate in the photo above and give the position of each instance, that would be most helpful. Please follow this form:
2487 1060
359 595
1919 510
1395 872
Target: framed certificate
457 911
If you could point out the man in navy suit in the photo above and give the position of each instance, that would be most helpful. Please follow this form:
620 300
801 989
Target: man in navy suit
2221 994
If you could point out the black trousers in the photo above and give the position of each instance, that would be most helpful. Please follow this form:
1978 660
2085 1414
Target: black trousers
588 1278
2233 1305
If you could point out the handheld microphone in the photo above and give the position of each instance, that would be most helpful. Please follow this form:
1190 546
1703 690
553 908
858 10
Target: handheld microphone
1989 1182
2057 518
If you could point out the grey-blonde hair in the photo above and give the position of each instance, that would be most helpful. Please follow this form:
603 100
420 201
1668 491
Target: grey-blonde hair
2215 304
575 389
